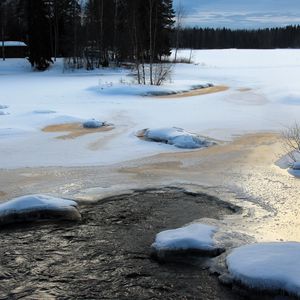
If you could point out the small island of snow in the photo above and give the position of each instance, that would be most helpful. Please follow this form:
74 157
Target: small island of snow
194 238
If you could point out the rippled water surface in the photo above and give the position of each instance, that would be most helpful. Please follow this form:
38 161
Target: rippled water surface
107 255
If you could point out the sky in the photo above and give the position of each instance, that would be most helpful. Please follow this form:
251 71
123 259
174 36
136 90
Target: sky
240 13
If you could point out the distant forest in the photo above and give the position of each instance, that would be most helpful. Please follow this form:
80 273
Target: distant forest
207 38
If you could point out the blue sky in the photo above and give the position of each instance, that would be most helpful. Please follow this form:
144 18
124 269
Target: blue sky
240 13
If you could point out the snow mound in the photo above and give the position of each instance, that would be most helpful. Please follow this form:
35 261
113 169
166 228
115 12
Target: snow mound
3 106
267 266
177 137
38 207
191 238
44 111
3 113
93 124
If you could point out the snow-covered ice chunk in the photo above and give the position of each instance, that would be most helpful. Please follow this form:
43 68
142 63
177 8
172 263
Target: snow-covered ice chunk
177 137
93 124
267 266
3 106
38 207
191 238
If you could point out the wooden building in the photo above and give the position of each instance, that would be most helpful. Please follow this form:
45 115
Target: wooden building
13 49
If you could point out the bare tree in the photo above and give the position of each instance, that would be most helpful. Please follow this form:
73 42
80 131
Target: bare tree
179 20
291 140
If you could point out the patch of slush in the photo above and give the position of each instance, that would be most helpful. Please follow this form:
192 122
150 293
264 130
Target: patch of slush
191 237
177 137
267 266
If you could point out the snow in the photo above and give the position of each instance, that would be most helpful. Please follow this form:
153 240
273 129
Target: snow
13 44
177 137
191 237
110 94
93 124
3 106
267 266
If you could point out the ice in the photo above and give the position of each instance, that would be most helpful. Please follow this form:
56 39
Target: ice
267 266
25 207
177 137
269 75
191 237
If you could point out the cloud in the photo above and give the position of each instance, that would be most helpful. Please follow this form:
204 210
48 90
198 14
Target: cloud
241 14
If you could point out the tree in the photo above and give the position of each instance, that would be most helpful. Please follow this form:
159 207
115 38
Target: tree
38 29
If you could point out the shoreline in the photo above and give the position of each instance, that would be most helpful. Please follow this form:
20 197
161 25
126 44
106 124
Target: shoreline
241 172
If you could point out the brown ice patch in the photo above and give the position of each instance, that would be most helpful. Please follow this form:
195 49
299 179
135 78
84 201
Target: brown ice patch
74 130
196 92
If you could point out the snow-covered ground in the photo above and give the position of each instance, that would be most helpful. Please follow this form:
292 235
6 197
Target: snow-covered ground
264 95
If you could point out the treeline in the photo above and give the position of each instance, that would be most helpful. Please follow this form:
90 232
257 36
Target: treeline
90 33
208 38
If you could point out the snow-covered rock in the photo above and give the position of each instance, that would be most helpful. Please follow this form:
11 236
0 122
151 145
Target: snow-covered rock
267 266
194 238
177 137
93 124
38 207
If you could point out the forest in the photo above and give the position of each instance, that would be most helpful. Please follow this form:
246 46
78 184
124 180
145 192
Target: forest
222 38
90 33
94 33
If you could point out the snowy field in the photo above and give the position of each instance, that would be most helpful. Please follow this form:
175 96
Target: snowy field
263 95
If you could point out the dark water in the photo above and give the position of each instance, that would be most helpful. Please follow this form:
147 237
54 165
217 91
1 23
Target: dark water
107 255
